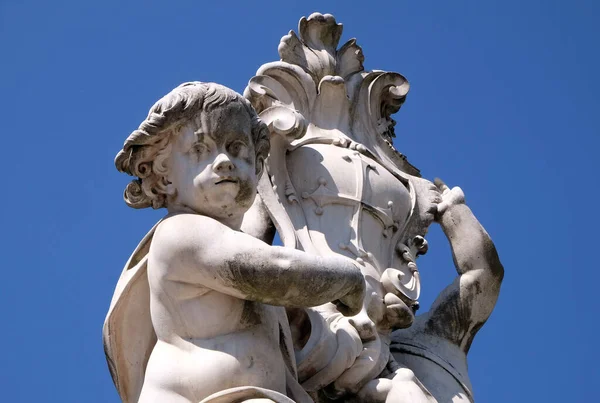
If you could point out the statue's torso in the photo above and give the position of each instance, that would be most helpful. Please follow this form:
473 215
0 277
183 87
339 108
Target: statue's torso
198 328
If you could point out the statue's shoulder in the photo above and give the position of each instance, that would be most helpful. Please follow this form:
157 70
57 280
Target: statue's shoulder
178 233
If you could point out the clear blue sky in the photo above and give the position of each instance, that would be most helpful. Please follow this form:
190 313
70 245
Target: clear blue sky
503 102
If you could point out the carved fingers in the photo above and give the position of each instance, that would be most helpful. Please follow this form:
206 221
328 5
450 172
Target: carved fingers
398 315
450 197
352 303
344 308
443 188
432 197
317 367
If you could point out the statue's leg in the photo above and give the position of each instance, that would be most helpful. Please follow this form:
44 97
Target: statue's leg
247 394
400 385
406 387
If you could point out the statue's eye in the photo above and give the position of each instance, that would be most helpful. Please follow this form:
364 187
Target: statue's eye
200 148
237 148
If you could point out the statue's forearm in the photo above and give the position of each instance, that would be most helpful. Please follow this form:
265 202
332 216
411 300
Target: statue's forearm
283 276
462 307
199 250
472 247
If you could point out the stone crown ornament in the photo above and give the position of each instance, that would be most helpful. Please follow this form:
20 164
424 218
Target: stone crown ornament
329 88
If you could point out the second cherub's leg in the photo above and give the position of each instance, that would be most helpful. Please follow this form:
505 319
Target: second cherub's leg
407 388
399 386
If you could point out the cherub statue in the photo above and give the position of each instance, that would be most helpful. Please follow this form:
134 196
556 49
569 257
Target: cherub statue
198 314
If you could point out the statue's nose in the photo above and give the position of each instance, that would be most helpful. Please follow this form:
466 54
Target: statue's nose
223 164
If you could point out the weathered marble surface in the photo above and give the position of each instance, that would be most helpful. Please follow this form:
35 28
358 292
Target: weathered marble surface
435 347
206 310
198 312
335 185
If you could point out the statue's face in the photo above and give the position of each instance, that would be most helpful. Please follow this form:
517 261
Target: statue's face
212 165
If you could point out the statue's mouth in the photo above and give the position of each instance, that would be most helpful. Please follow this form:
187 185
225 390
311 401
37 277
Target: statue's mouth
226 180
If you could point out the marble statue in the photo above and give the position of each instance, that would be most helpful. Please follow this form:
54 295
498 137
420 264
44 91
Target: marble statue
198 313
206 310
336 186
435 347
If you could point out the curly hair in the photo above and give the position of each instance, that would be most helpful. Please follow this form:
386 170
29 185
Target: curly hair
146 151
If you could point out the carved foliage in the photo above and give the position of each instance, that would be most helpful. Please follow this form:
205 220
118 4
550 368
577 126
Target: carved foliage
316 49
329 88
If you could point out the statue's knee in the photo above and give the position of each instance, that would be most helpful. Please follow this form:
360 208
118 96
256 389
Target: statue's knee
404 375
375 391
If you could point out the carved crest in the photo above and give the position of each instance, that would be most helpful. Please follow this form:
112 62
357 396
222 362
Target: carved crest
320 94
329 88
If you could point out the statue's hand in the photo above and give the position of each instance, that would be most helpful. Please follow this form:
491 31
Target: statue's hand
351 303
430 197
397 314
450 197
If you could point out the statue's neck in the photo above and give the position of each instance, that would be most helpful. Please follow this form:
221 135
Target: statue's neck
234 223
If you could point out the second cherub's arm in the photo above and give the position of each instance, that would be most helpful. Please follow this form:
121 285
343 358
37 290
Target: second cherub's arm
198 249
464 306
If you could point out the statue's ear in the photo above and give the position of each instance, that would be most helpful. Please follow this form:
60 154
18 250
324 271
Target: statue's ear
168 185
260 166
170 189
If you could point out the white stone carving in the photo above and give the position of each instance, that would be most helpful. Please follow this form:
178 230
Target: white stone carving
435 347
197 314
335 185
205 311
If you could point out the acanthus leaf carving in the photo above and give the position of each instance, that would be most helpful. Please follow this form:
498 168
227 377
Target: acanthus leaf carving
349 59
330 88
281 83
316 49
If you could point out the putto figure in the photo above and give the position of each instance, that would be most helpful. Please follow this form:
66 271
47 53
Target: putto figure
198 313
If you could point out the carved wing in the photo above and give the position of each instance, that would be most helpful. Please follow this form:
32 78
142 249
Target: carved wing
128 334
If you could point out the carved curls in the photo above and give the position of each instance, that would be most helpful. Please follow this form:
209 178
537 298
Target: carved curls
146 151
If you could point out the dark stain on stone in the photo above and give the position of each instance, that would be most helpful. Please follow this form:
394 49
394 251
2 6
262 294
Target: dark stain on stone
245 194
250 317
300 326
287 355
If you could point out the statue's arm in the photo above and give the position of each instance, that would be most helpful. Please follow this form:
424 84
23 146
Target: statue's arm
198 249
465 305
